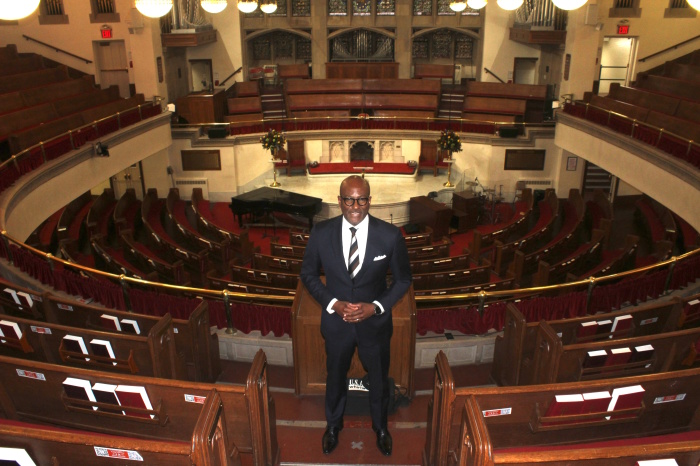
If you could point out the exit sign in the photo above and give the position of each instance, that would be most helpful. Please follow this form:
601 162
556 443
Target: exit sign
623 29
106 32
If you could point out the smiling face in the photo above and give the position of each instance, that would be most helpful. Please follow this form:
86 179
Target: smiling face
354 187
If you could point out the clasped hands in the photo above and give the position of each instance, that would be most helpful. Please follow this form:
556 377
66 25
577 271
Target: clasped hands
353 312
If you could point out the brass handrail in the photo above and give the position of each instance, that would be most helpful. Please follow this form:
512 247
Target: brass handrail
57 49
673 47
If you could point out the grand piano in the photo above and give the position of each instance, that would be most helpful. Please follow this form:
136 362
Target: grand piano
265 200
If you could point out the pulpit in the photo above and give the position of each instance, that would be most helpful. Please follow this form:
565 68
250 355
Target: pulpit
309 347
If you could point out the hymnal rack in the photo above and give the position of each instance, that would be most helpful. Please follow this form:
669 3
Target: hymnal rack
148 416
541 423
99 362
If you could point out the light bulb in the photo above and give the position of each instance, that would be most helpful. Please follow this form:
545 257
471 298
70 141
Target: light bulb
509 4
214 6
458 5
268 7
247 6
11 11
476 4
569 4
154 8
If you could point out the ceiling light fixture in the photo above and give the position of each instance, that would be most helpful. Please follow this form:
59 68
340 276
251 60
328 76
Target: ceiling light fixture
458 5
569 4
694 3
11 11
510 4
476 4
268 6
214 6
154 8
247 6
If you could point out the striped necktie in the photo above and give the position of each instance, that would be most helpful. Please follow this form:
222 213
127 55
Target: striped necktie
353 254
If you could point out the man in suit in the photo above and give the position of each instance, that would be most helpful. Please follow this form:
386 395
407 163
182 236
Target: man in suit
355 252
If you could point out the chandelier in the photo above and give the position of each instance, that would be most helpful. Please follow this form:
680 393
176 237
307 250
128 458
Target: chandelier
154 8
247 6
458 5
11 11
476 4
509 4
268 6
569 4
214 6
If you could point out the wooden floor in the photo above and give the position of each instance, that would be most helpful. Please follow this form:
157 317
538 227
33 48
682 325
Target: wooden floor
301 421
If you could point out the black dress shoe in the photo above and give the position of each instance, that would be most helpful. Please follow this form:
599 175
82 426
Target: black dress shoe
330 439
384 441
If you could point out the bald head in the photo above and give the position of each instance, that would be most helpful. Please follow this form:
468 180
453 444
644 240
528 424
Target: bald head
355 181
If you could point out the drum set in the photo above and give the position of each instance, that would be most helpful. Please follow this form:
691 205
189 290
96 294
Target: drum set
487 201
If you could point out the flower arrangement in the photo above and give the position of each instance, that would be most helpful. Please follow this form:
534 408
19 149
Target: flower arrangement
273 141
449 141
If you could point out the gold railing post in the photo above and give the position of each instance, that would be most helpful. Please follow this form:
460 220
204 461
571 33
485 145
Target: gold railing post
669 276
125 292
589 293
7 247
49 259
229 318
482 300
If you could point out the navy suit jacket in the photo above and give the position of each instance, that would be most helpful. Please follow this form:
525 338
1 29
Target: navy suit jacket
386 249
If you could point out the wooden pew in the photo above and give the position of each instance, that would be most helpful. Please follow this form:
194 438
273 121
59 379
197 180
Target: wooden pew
292 71
516 226
401 86
298 238
8 52
437 250
537 236
274 263
514 418
285 250
177 405
36 95
263 277
629 110
335 115
207 224
680 126
494 105
642 98
690 314
151 354
451 263
145 259
557 362
567 240
432 71
449 279
323 86
423 102
405 114
515 350
509 90
178 226
209 443
72 216
195 345
100 214
246 89
683 447
505 284
669 86
127 212
298 102
164 245
19 301
243 105
586 257
24 63
425 238
33 79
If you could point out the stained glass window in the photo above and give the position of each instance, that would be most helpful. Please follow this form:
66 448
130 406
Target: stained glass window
303 48
281 8
262 49
337 7
442 44
386 7
301 7
443 8
361 7
284 45
471 12
256 14
464 46
422 7
420 47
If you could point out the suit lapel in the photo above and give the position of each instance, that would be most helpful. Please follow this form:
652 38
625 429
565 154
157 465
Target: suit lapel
337 244
370 250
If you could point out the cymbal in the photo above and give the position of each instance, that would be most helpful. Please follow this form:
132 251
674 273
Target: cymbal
471 183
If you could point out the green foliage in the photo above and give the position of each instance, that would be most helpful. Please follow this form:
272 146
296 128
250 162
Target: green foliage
449 141
273 140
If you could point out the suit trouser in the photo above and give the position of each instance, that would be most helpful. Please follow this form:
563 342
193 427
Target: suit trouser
341 341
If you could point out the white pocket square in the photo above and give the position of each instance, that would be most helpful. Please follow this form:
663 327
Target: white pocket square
378 258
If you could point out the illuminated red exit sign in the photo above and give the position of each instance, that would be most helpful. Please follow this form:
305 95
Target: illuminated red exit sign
106 32
623 29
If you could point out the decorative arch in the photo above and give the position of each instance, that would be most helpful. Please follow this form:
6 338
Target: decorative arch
467 32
